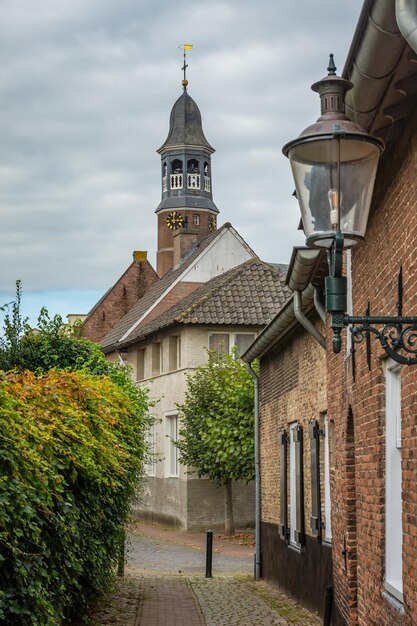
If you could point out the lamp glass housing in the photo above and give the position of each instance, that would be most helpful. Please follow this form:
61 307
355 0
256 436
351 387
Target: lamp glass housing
334 178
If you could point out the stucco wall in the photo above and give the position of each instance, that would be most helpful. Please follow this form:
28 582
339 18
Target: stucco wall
184 500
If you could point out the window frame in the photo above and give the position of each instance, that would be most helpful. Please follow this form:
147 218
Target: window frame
172 466
297 532
151 441
232 337
157 346
327 513
393 575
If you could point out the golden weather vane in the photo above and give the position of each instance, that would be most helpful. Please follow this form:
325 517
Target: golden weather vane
185 47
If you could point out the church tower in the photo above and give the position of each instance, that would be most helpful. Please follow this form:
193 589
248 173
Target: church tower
186 212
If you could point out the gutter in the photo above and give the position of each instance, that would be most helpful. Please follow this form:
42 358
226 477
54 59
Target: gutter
258 552
406 14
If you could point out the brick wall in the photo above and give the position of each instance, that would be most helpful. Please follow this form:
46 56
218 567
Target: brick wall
292 388
358 408
130 287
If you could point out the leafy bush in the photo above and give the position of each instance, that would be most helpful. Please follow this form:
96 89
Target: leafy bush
71 452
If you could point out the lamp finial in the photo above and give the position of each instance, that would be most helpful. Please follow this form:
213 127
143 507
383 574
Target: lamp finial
332 67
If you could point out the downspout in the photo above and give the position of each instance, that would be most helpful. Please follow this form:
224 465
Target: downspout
406 15
319 306
258 554
305 322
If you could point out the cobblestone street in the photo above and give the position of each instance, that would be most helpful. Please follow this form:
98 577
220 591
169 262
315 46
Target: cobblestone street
165 585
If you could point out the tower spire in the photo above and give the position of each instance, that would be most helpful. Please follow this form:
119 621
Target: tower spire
185 47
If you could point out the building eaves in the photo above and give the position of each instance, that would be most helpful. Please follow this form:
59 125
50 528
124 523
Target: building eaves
122 330
306 273
383 69
249 294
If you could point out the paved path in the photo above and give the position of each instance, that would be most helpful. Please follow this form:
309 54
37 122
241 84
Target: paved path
147 554
165 586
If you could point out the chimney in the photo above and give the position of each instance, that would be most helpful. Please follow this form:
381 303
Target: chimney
183 242
140 255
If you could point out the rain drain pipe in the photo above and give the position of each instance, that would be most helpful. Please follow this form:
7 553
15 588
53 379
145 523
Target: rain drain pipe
258 556
319 306
305 322
406 14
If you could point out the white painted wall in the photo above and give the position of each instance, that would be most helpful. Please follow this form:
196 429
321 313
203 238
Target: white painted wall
225 252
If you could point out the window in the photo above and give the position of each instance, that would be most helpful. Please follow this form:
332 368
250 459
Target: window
222 342
219 342
140 364
242 342
349 310
157 358
171 458
328 432
393 480
314 436
296 486
283 452
151 441
174 353
196 219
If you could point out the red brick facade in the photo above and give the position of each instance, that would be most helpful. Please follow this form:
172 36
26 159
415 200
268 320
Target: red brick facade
292 389
166 257
358 408
132 286
177 293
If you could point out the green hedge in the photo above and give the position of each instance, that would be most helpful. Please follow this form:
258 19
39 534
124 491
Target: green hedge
71 453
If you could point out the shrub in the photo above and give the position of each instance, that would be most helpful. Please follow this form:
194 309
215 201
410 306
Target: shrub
71 453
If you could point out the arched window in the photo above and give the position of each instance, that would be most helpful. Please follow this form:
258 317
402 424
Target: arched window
193 174
164 177
176 181
176 166
192 167
207 184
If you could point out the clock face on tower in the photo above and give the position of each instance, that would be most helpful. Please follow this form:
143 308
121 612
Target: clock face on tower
174 220
212 222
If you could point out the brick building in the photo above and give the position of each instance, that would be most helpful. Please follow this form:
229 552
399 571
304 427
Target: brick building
210 291
368 413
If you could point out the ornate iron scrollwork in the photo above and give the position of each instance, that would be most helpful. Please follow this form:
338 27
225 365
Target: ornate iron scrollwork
394 337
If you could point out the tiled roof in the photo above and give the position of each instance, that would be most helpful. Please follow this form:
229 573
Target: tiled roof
139 309
249 294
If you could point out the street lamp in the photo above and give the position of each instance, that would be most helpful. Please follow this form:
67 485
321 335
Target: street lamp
334 164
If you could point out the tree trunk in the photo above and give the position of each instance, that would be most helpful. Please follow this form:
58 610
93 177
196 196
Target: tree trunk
229 526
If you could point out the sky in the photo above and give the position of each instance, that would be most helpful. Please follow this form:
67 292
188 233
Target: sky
86 89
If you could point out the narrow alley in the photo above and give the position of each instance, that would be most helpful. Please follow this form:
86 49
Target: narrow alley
165 585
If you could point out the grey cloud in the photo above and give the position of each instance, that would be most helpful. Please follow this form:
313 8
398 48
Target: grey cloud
86 89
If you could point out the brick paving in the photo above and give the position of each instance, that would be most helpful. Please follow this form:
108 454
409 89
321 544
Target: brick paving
165 586
167 601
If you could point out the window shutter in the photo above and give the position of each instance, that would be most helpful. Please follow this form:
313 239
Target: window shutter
299 532
314 436
283 527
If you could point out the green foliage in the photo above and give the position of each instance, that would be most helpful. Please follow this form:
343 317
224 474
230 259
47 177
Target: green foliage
71 452
50 345
72 449
217 433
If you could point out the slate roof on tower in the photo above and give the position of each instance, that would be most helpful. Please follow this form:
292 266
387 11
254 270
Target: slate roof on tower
185 126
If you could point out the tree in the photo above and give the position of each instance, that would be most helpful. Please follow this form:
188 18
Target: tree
217 425
72 450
